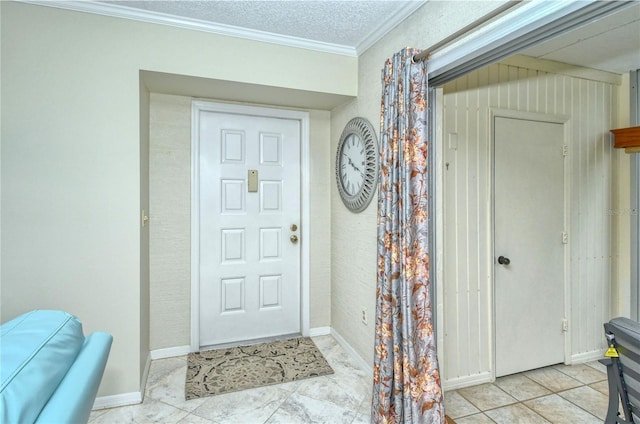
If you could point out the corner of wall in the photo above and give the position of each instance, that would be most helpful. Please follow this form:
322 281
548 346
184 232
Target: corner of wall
144 233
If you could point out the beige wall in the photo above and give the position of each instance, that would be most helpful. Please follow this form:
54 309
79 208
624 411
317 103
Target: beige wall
170 164
321 178
353 236
170 215
72 171
621 240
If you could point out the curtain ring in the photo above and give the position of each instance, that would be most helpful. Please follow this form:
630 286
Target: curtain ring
423 59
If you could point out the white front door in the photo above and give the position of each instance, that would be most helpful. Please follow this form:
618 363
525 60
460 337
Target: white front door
529 249
249 217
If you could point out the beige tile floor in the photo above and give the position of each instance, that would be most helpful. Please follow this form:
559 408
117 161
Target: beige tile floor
342 397
559 394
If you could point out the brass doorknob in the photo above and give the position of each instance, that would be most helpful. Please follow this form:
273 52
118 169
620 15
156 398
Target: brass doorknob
294 239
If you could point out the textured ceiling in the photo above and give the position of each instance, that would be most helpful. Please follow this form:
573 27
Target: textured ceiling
347 23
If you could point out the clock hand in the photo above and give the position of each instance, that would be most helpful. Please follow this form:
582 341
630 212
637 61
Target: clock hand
354 166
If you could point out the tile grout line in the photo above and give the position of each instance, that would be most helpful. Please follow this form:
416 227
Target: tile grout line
576 405
517 403
279 406
522 402
582 384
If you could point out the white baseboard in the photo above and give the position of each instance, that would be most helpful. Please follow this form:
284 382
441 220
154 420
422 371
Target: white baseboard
368 368
581 358
466 381
319 331
123 399
170 352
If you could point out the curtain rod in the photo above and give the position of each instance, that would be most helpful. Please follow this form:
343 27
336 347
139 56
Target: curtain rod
426 53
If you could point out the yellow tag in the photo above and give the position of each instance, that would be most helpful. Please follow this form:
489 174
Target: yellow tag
611 352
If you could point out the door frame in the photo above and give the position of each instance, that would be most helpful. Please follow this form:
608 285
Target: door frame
240 109
538 117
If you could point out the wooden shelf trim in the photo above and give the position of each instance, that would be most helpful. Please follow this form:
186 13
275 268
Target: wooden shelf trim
627 139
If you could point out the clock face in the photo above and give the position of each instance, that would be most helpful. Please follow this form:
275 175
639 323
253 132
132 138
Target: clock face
352 164
357 164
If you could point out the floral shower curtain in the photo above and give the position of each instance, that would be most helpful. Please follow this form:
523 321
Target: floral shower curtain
406 385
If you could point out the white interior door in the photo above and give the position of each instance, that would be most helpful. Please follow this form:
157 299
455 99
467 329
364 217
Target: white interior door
249 191
529 248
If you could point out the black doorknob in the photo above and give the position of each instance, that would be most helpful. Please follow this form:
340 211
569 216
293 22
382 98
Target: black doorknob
503 261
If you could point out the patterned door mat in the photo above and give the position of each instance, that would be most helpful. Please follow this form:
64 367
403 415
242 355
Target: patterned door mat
232 369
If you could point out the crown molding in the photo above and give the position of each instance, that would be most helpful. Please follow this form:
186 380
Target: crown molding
389 25
125 12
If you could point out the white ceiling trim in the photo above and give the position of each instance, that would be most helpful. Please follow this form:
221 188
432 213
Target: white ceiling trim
118 11
388 25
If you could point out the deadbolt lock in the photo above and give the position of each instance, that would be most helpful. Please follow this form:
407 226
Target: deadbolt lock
294 227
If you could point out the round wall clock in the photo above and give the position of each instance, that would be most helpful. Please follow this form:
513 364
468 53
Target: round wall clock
357 164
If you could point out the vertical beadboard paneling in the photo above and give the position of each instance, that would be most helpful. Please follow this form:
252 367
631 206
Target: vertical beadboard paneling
467 176
591 106
471 133
452 323
482 188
